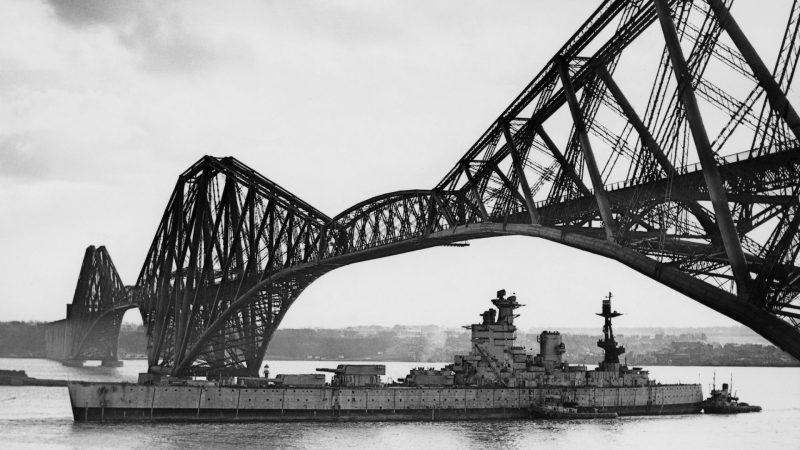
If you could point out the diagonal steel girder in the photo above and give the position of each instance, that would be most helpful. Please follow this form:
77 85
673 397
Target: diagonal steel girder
719 200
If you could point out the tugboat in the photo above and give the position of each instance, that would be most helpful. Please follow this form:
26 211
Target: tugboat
722 402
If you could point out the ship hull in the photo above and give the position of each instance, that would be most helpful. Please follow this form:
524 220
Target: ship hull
729 409
121 402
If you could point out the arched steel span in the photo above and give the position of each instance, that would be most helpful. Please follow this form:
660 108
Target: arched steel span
711 211
405 221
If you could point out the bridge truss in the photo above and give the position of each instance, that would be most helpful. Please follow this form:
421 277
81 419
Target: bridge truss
91 328
706 154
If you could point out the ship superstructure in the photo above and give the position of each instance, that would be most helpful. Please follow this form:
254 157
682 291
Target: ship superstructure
496 359
497 379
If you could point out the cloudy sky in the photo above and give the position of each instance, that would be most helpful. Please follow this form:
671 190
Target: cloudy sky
104 102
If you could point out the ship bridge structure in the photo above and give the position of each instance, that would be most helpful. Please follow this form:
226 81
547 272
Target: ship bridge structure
657 136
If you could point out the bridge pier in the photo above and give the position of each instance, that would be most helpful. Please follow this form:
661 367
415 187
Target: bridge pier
73 362
111 363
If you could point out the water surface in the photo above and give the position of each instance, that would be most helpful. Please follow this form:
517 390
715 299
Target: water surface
40 417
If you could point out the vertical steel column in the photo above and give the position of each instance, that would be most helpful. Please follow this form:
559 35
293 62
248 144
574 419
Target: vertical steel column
516 160
777 98
431 215
588 154
195 235
323 242
719 199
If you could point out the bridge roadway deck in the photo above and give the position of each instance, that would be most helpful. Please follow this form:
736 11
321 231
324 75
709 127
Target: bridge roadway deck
764 173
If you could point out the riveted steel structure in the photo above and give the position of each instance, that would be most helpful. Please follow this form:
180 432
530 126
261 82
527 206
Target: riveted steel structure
707 200
91 328
226 229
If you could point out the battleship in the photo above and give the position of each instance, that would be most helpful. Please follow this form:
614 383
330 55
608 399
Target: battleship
496 380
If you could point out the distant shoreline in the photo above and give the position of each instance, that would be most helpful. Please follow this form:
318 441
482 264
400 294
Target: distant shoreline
667 347
269 359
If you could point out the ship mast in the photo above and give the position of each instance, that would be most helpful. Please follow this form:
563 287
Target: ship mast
612 350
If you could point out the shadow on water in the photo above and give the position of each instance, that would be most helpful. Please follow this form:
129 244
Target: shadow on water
382 435
628 432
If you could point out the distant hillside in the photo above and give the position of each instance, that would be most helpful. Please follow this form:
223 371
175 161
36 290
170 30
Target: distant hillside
22 339
721 335
645 346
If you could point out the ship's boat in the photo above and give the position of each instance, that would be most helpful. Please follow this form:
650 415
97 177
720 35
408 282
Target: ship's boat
567 412
497 379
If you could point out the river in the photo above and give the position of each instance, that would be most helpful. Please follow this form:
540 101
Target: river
40 417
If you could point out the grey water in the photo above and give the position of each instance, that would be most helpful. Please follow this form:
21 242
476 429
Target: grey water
40 417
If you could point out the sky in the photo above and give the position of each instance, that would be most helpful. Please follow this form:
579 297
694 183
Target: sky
104 102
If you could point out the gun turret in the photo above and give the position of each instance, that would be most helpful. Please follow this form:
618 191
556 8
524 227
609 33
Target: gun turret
356 374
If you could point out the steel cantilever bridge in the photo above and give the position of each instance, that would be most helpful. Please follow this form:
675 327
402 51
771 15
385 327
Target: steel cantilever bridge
707 151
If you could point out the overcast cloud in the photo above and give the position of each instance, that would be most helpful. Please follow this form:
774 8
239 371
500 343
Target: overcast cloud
155 31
